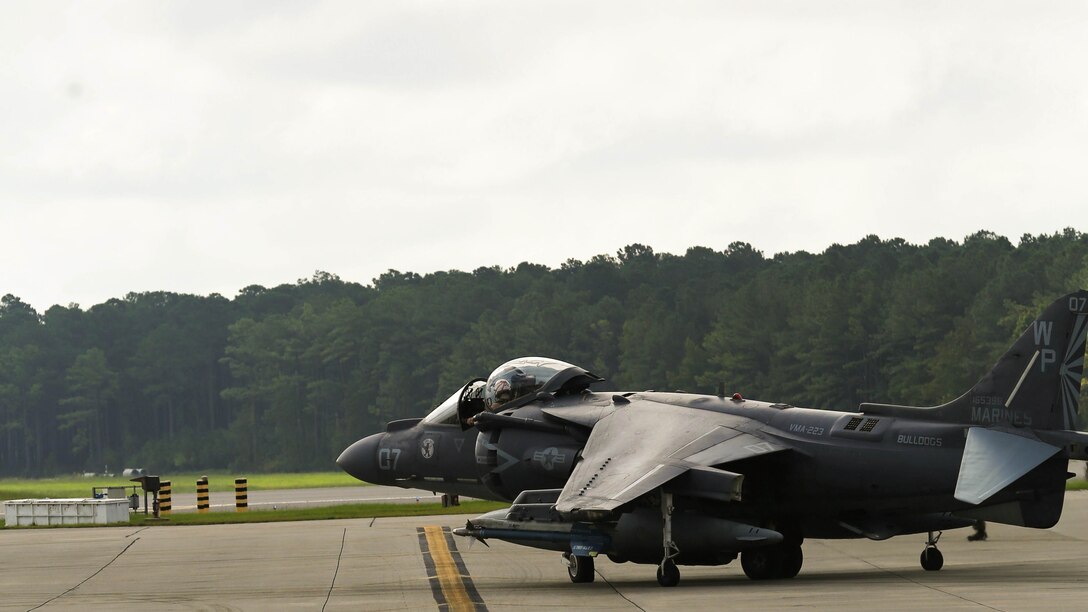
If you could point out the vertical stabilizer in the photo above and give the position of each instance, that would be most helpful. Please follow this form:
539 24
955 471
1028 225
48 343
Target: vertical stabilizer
1036 383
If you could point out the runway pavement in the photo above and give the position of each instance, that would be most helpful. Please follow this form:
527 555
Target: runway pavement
387 564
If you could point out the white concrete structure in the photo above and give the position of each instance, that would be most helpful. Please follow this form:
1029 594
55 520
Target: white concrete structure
26 512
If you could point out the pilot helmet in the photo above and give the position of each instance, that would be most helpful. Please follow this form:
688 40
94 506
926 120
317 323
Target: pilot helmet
508 384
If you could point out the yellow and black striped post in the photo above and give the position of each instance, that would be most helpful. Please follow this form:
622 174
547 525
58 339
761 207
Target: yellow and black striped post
241 495
202 495
164 498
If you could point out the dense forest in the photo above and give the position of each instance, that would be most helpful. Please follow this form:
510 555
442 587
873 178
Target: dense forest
285 377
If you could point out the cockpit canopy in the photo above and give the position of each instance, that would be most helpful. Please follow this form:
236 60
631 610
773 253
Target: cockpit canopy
526 376
446 412
512 384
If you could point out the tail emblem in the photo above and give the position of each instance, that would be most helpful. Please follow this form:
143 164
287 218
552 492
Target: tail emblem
1072 370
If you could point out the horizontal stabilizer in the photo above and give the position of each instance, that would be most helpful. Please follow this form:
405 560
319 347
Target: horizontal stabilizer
992 460
1074 442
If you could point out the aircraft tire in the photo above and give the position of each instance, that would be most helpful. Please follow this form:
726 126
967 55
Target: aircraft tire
668 575
932 559
792 560
580 569
762 563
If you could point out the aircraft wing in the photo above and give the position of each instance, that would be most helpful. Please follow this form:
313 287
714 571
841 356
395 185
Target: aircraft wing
645 444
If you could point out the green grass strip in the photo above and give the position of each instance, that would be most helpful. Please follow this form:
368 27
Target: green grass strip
79 487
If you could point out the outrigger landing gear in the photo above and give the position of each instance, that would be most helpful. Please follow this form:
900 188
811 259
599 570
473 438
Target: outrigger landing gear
668 575
580 569
932 559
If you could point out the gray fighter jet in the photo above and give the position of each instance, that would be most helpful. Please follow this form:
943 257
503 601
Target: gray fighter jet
683 479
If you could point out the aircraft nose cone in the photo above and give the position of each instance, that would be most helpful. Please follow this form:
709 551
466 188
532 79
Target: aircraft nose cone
361 459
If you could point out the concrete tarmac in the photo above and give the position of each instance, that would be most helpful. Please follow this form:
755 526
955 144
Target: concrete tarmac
384 564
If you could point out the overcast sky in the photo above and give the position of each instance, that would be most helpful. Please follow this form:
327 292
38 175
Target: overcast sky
206 146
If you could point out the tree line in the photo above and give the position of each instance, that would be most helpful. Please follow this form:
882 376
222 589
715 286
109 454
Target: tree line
284 378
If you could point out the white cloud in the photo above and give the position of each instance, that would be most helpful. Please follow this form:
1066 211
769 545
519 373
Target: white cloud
204 147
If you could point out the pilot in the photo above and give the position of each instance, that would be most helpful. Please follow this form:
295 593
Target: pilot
980 532
501 392
504 387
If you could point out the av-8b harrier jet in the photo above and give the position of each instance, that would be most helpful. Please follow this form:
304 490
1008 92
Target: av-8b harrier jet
683 479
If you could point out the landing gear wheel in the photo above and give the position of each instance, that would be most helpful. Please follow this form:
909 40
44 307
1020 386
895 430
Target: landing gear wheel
932 559
792 559
668 575
580 569
762 563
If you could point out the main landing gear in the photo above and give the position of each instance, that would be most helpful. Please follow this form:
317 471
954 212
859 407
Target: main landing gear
773 562
580 569
932 559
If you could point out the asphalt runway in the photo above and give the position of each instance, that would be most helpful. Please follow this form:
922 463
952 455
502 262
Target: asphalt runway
386 564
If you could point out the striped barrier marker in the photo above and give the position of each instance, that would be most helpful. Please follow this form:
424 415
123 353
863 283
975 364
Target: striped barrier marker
202 504
164 498
241 495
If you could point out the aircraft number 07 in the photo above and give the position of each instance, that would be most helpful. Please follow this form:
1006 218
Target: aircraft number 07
387 458
1076 304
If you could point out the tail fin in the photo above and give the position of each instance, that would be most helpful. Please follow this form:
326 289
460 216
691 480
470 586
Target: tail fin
1036 383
